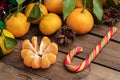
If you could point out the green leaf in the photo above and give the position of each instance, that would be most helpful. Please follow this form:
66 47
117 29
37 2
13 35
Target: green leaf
68 6
29 19
9 42
35 13
13 3
20 1
98 9
2 25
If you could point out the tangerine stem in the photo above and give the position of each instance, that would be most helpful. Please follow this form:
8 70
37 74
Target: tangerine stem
84 6
82 10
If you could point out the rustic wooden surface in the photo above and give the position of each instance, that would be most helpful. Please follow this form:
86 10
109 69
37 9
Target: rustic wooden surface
106 66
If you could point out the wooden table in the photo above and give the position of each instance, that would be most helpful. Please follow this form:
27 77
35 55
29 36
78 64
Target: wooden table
106 66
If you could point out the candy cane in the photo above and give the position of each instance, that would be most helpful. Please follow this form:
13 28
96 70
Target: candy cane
90 57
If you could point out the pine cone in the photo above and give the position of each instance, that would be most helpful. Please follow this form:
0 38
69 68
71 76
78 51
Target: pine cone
65 35
111 16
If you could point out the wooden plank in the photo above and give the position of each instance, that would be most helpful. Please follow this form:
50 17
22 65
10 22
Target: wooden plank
55 72
58 71
10 73
109 56
95 72
103 29
100 30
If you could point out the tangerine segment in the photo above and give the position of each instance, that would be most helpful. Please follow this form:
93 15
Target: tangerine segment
52 48
28 60
51 57
36 63
44 43
35 42
33 58
25 52
45 63
27 45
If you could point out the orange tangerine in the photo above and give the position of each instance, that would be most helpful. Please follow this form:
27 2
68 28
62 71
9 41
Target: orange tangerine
39 56
54 6
50 23
43 10
81 21
17 24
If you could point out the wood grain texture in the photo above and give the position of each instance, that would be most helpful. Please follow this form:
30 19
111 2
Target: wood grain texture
101 30
10 73
98 70
108 56
93 72
55 72
58 72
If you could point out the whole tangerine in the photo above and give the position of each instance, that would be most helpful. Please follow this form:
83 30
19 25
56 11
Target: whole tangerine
3 49
43 9
54 6
17 24
50 23
80 20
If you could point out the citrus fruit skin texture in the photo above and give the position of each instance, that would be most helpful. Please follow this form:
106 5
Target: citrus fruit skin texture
54 6
43 10
81 21
39 56
79 4
2 45
50 23
17 24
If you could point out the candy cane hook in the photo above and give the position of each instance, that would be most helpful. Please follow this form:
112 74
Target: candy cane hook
91 56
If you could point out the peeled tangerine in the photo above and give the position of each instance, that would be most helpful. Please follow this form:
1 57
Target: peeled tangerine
39 56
